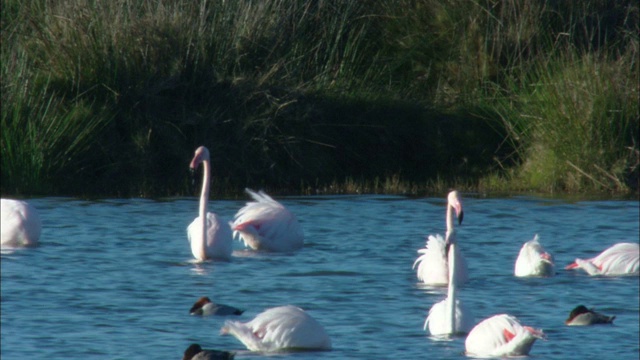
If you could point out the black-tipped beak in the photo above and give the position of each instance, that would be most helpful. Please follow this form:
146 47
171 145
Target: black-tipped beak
192 172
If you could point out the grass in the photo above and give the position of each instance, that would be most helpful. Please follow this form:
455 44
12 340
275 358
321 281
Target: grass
111 98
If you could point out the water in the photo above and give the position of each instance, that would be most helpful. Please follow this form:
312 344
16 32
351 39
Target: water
113 279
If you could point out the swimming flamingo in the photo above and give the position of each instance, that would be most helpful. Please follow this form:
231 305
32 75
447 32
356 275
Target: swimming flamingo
205 307
195 352
449 316
501 335
620 259
280 328
432 264
581 316
265 224
533 260
219 241
21 225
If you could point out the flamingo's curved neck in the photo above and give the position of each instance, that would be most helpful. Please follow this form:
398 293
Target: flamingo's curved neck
204 197
450 211
451 290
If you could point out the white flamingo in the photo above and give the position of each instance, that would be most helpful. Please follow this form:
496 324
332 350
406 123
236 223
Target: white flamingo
432 268
533 260
265 224
501 335
449 316
619 259
210 238
280 328
21 225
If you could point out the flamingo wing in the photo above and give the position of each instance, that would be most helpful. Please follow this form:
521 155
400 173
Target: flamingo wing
219 238
501 335
265 224
533 260
279 328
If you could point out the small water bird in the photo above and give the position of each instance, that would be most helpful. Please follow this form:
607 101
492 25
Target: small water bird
501 335
533 260
265 224
581 316
619 259
21 224
432 265
209 236
280 328
205 307
195 352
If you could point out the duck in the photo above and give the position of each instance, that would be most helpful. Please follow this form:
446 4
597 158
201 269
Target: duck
205 307
195 352
581 316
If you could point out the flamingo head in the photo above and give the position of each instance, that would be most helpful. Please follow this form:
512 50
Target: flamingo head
456 204
201 154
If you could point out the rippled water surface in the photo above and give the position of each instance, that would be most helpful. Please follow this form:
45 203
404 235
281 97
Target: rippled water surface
113 279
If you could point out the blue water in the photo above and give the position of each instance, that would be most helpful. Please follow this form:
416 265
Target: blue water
113 279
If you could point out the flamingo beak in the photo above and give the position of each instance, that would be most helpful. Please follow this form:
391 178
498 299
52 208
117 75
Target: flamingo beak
457 206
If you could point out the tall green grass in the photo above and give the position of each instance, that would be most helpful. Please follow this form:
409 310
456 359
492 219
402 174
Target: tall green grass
521 95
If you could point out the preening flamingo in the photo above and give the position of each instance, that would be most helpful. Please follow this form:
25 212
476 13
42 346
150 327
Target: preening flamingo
533 260
501 335
195 352
432 268
205 307
280 328
449 316
210 237
265 224
21 225
581 316
619 259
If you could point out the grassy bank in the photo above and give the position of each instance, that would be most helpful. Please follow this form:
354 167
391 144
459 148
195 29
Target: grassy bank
112 98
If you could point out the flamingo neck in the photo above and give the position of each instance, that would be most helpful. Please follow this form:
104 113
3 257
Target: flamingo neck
451 290
450 211
204 198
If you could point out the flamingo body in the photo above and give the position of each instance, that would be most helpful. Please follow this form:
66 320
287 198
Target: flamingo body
209 237
265 224
219 243
533 260
619 259
501 335
432 264
21 224
437 322
280 328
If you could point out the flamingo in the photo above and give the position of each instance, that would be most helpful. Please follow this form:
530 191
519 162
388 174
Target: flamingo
281 328
195 352
449 316
619 259
21 225
501 335
581 316
205 307
533 260
210 239
265 224
432 264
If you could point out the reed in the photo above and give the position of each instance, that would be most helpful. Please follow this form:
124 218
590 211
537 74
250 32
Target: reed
391 96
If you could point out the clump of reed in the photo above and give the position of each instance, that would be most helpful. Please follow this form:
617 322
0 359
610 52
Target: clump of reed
292 93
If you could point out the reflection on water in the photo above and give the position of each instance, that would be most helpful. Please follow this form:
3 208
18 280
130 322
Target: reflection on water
115 278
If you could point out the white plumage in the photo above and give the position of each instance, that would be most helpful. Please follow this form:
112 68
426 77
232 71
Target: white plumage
533 260
265 224
21 224
280 328
501 335
619 259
